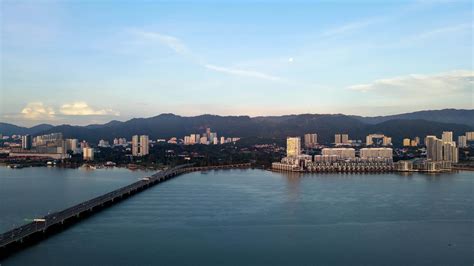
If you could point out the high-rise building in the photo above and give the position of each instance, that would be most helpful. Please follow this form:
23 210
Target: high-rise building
122 141
222 140
376 153
337 139
293 146
470 136
378 140
434 148
140 145
215 141
203 140
135 145
190 139
345 138
71 145
342 153
48 139
187 140
84 144
406 142
310 140
447 136
462 141
450 152
144 145
26 142
103 143
208 133
88 154
418 141
212 135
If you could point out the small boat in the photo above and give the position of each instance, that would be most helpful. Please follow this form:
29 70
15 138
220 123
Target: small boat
132 166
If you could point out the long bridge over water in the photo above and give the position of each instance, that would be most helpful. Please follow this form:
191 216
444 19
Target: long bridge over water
43 227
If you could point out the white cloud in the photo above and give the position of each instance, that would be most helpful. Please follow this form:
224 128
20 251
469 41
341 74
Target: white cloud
350 27
442 84
438 32
37 111
180 48
170 41
240 72
82 108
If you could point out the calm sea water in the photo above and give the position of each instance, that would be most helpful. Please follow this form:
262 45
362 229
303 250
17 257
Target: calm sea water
250 217
33 192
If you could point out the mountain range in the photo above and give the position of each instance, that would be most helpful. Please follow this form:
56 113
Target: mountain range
325 125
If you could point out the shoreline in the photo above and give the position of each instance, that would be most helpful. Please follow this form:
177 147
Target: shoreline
471 169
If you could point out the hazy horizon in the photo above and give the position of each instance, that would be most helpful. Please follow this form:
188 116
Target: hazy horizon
289 114
86 63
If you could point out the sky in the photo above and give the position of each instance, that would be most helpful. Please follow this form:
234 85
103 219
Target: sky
84 62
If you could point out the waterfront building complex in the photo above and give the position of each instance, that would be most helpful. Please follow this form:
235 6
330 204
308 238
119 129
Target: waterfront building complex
44 146
334 159
438 150
376 154
340 153
422 165
440 155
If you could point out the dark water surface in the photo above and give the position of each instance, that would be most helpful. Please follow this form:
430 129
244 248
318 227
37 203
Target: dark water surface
33 192
252 217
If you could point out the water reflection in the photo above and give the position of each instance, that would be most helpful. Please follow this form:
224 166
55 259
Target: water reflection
293 180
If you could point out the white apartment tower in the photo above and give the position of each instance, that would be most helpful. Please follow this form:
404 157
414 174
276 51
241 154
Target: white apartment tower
293 146
462 141
140 145
88 154
310 140
447 136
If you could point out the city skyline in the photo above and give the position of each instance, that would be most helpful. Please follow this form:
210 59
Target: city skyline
364 59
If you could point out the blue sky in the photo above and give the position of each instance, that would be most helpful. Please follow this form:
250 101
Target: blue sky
83 62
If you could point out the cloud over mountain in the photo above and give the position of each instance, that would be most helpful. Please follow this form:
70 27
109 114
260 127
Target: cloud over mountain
37 111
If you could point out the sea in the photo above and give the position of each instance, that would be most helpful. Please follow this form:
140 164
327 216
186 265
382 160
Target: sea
247 217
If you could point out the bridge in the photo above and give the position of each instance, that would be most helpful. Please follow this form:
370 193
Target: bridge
45 226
